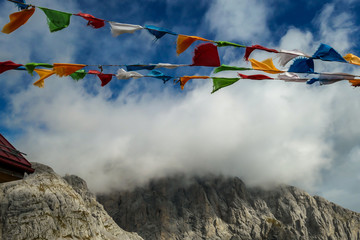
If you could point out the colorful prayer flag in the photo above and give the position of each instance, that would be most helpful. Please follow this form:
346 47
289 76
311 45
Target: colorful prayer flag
206 54
92 21
183 42
56 20
17 19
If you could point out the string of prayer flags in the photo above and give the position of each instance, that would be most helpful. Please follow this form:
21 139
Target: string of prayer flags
92 21
286 56
122 74
79 74
254 77
219 83
158 32
31 66
230 68
8 65
351 58
120 28
249 50
56 20
327 53
183 80
206 54
17 19
184 41
302 65
227 44
65 69
43 73
266 66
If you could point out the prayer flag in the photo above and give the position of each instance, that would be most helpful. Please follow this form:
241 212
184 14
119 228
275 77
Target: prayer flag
105 78
249 50
158 32
327 53
266 66
120 28
17 19
254 77
169 66
226 44
219 83
183 42
79 74
291 77
92 21
31 66
43 73
355 83
20 4
183 80
302 65
159 75
206 54
230 68
56 20
351 58
8 65
65 69
286 56
122 74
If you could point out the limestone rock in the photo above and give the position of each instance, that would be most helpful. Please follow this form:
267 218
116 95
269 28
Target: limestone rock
224 208
46 206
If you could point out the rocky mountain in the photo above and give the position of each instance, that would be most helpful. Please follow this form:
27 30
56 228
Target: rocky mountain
224 208
46 206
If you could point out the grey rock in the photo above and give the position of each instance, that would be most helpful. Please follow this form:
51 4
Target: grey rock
46 206
224 208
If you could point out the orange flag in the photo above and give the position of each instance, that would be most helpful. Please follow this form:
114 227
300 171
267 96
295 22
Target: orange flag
65 69
43 73
355 83
17 19
351 58
183 42
183 80
266 66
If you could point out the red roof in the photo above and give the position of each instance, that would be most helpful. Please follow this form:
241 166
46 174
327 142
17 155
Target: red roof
13 158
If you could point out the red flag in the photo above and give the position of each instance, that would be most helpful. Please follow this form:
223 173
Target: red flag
254 77
249 50
93 21
105 78
206 54
8 65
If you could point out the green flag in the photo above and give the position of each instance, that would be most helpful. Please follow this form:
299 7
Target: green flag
56 20
31 66
79 74
226 44
230 68
219 83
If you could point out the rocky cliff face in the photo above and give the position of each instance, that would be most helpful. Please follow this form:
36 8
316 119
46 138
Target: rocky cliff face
224 208
47 206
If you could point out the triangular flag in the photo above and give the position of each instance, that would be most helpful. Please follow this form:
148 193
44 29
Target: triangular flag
327 53
184 41
159 75
158 32
206 54
254 77
230 68
8 65
286 56
355 83
56 20
92 21
79 74
105 78
183 80
31 66
43 73
249 50
351 58
227 44
302 65
17 19
120 28
122 74
266 66
65 69
219 83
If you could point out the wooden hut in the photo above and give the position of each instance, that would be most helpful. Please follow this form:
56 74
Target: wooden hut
13 164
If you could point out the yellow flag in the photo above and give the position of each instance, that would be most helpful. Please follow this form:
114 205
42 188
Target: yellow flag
17 19
43 73
266 66
183 80
183 42
65 69
351 58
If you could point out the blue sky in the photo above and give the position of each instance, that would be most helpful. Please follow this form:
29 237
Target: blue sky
265 132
